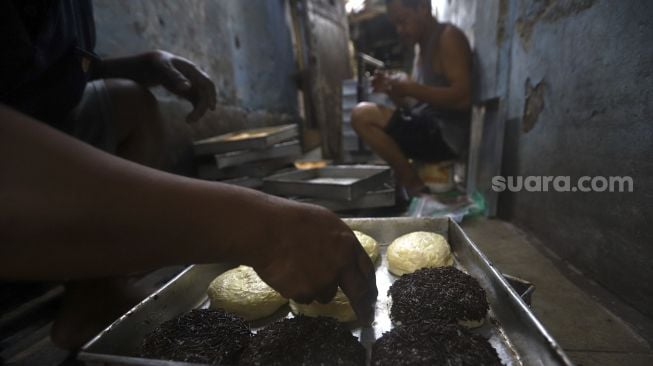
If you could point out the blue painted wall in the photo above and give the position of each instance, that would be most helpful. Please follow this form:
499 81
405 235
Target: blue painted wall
593 62
244 45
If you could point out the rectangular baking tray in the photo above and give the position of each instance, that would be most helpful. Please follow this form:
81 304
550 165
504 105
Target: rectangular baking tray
281 150
258 138
257 169
247 182
336 182
512 329
384 197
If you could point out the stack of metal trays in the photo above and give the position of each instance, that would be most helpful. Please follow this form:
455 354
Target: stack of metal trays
337 187
511 327
247 156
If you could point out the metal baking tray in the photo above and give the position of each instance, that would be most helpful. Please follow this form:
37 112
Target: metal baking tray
512 329
384 197
336 182
257 169
258 138
247 182
281 150
524 288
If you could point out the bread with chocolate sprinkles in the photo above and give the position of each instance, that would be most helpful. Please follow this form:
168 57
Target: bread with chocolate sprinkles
432 343
443 293
304 340
207 336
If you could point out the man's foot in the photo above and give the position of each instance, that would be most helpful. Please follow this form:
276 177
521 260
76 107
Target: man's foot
90 306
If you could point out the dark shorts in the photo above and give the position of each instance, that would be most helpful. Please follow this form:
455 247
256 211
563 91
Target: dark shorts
419 137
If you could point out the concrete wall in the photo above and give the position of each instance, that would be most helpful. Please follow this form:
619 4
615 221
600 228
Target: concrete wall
245 46
576 79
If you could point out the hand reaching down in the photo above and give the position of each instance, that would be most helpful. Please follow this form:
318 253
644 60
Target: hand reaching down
311 253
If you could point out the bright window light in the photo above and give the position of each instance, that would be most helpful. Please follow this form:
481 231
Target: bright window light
354 6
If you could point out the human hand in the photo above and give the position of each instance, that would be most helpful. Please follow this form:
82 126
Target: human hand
398 88
396 85
311 253
380 82
183 78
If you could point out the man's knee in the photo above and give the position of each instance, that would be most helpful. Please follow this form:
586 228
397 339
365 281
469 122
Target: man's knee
134 107
127 92
363 115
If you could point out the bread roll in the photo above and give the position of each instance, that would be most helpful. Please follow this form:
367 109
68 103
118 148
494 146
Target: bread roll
241 291
416 250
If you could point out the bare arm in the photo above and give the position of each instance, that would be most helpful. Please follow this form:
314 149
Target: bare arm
177 74
456 63
69 211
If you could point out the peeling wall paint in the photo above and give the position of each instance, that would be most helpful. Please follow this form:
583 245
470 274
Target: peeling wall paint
548 11
534 104
244 46
590 116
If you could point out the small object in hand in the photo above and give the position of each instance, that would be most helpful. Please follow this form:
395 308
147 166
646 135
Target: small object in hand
205 336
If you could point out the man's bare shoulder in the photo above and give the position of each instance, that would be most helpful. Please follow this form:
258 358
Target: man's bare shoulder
452 36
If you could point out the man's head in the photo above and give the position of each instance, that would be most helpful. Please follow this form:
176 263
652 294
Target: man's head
410 17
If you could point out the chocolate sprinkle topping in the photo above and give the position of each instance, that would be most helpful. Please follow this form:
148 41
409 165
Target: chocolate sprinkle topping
304 341
207 336
443 293
432 343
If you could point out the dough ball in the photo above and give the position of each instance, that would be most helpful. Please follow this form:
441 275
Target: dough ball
185 338
304 341
369 244
241 291
443 293
430 343
339 308
416 250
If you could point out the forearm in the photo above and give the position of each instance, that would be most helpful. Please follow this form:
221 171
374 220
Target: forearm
457 98
130 67
70 211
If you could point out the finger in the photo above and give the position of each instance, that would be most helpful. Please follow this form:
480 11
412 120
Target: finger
203 89
327 294
175 81
207 97
199 109
358 282
213 94
302 298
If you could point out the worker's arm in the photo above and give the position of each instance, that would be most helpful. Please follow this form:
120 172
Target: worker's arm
70 211
457 68
177 74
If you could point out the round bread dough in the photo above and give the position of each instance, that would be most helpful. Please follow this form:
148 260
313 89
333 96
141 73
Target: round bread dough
185 338
339 308
416 250
369 244
304 341
241 291
430 342
443 293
